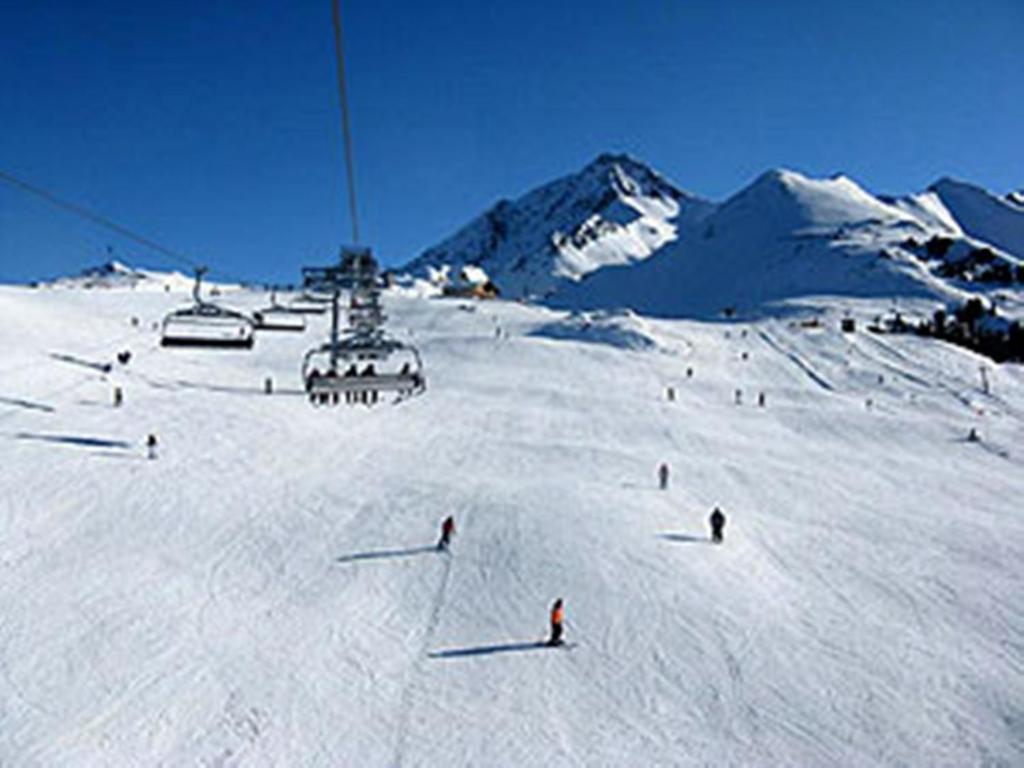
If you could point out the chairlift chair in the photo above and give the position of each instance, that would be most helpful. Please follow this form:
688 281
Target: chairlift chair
352 363
357 372
278 318
307 304
205 324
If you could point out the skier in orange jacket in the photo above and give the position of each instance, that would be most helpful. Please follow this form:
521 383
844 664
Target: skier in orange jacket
557 619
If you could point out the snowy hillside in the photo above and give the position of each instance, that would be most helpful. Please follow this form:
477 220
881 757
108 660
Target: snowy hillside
115 274
614 211
999 221
265 591
783 237
617 235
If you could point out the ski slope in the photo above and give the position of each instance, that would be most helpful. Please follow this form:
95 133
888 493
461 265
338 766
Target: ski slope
263 593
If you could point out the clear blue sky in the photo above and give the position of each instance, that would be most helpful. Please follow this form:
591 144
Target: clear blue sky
213 126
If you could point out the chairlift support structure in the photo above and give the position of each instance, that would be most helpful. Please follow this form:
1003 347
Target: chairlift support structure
206 324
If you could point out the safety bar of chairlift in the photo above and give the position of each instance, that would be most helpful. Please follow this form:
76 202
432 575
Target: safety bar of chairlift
379 382
243 342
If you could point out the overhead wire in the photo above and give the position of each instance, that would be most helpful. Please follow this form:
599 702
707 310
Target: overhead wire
339 55
103 221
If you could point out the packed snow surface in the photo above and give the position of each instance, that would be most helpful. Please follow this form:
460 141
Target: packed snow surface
265 591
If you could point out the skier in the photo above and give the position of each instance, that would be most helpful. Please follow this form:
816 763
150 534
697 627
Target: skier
557 619
447 531
663 476
151 446
717 521
118 397
760 399
313 374
972 436
689 373
738 396
670 394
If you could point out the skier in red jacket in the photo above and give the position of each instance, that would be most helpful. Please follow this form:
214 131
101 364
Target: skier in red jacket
447 531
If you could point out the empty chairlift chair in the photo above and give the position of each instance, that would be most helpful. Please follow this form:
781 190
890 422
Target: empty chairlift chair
205 324
278 318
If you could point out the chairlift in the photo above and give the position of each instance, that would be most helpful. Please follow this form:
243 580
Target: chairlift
307 303
205 324
278 318
358 374
363 361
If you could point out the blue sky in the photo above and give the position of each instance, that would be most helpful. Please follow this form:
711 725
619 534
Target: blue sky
213 126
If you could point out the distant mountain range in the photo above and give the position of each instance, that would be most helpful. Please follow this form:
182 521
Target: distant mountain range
618 234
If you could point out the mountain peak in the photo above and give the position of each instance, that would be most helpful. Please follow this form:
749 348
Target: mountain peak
616 209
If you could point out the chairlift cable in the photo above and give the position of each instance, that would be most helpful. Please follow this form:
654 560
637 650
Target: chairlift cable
96 218
345 129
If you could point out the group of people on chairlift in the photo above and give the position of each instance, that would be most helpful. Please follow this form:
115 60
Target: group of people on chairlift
368 396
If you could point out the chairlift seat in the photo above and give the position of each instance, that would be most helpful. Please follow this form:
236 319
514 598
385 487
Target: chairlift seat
380 382
279 319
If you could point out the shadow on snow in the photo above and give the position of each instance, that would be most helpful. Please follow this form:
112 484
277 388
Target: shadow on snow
27 404
80 440
385 554
488 650
684 538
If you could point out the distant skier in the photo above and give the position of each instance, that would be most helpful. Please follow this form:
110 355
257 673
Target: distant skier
738 397
663 476
151 446
689 373
447 531
760 399
118 397
670 394
972 436
717 521
557 620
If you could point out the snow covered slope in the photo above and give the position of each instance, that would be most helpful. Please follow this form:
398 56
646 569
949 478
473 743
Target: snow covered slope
115 274
618 235
614 211
999 221
783 237
264 593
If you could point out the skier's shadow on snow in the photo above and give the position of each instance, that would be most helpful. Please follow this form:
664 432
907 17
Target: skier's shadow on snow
27 404
487 650
384 554
684 538
79 440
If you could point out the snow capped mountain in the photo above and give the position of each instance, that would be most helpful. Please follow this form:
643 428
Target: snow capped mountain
782 237
110 274
618 235
928 208
614 211
117 274
999 221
